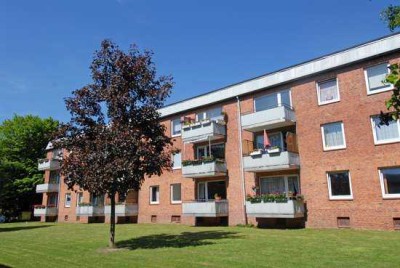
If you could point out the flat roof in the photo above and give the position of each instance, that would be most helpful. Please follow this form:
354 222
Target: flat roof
333 60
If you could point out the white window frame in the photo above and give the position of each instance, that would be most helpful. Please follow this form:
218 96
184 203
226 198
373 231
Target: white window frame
339 197
172 127
180 164
157 197
319 94
384 194
286 181
390 87
70 200
172 194
376 142
334 147
78 194
278 96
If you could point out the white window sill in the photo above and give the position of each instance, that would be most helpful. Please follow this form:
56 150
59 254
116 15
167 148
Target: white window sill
176 135
379 90
387 141
338 198
326 149
176 202
154 203
327 102
175 168
391 196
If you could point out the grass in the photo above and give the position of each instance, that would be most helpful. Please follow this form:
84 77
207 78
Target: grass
147 245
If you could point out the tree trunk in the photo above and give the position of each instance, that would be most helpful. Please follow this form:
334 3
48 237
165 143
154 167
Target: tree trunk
111 243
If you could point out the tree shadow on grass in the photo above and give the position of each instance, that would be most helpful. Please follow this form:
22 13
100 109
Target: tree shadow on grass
21 228
185 239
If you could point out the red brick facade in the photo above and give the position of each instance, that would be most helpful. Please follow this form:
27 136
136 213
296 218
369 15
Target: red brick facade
361 158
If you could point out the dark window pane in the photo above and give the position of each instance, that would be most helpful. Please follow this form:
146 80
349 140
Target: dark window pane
391 180
340 183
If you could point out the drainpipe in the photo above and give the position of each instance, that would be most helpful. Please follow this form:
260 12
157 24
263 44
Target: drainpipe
241 158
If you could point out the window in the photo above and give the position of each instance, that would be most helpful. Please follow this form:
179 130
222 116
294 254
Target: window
177 161
217 151
52 200
68 200
281 184
333 136
276 139
273 100
339 185
79 199
383 133
176 127
176 193
154 195
211 114
54 176
97 200
328 92
209 190
374 77
390 182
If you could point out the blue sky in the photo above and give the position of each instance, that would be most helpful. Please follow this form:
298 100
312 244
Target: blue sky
46 46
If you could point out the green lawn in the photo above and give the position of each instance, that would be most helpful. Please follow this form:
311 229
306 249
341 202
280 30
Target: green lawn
146 245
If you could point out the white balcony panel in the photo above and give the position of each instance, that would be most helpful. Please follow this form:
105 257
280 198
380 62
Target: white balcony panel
48 164
89 211
269 119
123 210
291 209
270 162
48 211
206 209
47 188
211 169
202 131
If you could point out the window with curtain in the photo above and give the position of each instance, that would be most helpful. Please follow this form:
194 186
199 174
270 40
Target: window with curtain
390 180
384 133
177 160
293 184
339 183
217 151
375 75
176 127
328 91
275 139
176 193
333 136
272 185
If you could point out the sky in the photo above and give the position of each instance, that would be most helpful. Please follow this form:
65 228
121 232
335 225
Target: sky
46 46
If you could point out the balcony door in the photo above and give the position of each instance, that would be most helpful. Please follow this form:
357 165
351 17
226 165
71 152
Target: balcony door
280 184
270 101
52 200
206 191
217 151
97 200
276 139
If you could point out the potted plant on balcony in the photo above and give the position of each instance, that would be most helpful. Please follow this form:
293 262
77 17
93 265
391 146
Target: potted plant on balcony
256 152
274 149
217 197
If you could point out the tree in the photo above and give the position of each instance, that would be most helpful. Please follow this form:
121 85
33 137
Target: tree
114 137
23 140
391 15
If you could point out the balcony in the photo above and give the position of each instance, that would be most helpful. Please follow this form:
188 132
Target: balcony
203 131
271 161
123 210
291 209
48 164
277 117
201 169
215 208
47 188
90 211
45 211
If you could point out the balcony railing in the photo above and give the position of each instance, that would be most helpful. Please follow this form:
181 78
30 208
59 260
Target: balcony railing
290 209
216 208
45 211
277 117
48 164
47 188
203 130
200 169
123 210
90 211
271 161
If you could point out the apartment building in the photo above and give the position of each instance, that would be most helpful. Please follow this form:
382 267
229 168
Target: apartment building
297 147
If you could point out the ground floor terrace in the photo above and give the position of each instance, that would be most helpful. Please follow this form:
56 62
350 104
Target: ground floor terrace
155 245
